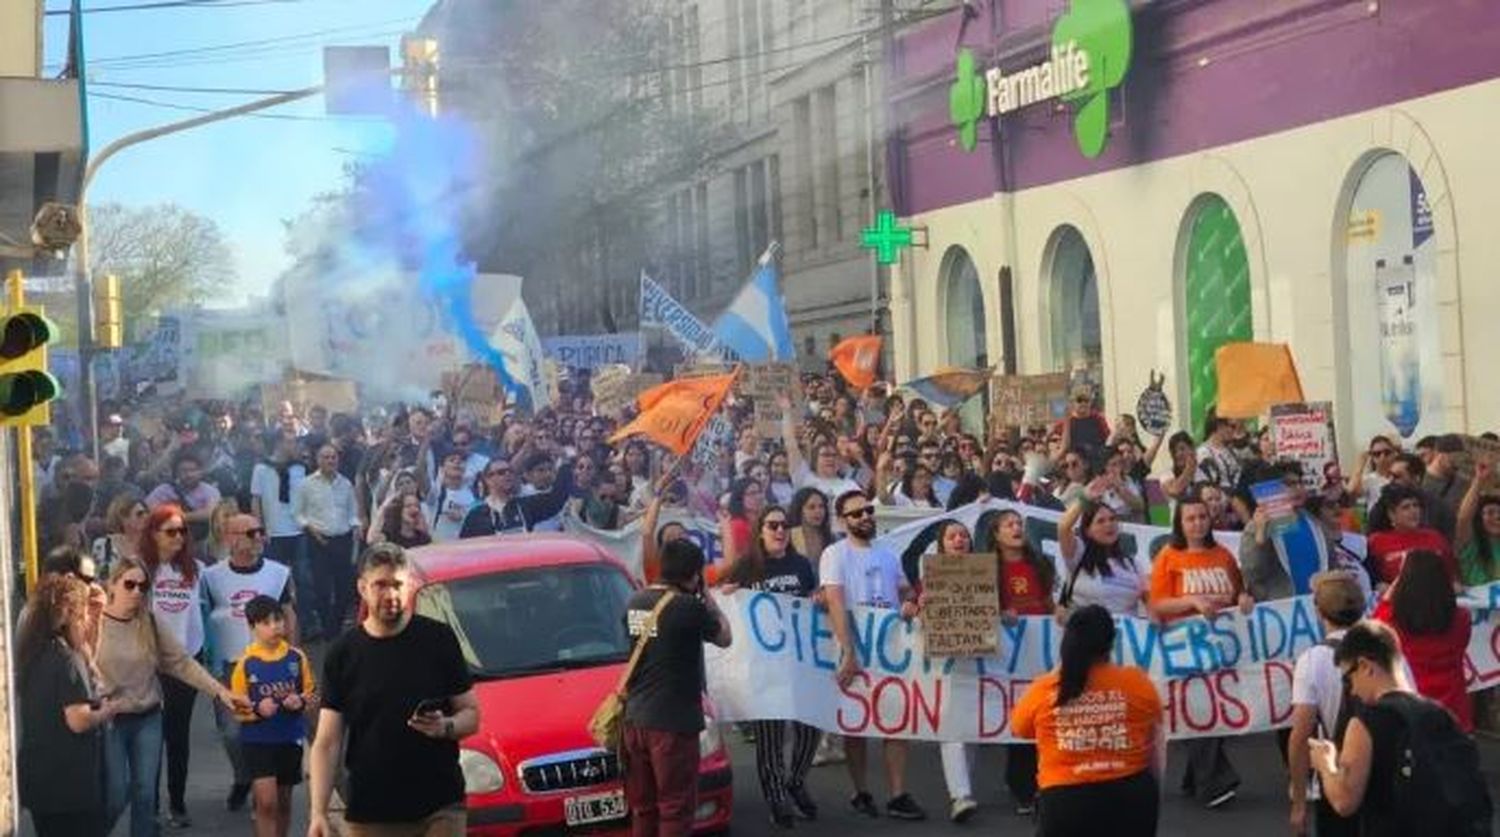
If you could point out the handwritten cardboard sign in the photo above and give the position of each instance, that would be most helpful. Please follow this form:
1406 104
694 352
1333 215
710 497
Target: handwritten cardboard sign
1026 401
700 370
764 384
1304 433
961 605
1475 450
616 388
1153 411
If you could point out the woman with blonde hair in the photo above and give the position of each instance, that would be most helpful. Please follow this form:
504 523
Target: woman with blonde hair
216 548
124 521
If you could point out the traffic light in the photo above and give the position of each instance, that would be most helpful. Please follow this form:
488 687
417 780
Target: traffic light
109 324
419 71
26 387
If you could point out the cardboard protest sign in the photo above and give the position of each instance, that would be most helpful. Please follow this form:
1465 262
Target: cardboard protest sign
475 390
334 395
1153 411
1475 450
1304 433
764 384
961 605
616 388
700 370
1025 401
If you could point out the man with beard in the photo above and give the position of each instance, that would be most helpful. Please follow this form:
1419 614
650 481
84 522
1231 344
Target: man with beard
398 684
856 572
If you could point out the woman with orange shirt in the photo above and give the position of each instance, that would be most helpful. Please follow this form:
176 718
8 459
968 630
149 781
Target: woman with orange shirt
1195 576
1098 736
1026 581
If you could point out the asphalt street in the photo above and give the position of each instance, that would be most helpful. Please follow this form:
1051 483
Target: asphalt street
1260 809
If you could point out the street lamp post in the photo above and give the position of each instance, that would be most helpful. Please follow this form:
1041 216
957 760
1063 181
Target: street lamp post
81 275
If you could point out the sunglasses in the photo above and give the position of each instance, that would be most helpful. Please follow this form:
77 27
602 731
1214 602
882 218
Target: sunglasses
867 511
131 585
775 525
174 532
85 578
253 533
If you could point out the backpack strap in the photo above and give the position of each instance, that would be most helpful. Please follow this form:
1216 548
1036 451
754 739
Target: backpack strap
640 644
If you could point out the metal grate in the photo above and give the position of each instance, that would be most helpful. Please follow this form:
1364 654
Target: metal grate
567 771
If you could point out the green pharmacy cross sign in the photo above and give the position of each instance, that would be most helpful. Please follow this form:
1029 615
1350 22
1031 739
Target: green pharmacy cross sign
886 238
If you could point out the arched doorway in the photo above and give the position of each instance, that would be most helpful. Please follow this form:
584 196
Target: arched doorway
1073 303
1215 300
963 320
1390 293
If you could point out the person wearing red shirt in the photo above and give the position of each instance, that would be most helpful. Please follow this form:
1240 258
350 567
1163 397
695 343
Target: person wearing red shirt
1026 582
1404 533
1434 632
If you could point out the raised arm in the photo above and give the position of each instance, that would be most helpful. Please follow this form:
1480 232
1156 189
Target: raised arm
1067 541
1463 531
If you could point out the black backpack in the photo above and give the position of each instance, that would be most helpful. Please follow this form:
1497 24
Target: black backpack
1437 786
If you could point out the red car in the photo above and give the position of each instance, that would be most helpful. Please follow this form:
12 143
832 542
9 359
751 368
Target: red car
541 622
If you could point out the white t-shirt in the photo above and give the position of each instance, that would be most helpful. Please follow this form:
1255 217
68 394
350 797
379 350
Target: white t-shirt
869 575
280 520
178 606
831 487
445 504
1119 592
229 589
1370 487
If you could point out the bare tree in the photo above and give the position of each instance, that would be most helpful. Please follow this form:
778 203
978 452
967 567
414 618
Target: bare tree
165 256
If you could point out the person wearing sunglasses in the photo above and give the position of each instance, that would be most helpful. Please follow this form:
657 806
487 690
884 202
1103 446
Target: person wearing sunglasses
137 651
1084 430
1372 473
856 572
227 586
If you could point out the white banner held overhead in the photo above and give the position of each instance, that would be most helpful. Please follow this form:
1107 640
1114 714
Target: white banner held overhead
658 308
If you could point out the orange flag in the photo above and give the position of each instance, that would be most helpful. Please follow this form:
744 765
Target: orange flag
674 413
856 359
1255 376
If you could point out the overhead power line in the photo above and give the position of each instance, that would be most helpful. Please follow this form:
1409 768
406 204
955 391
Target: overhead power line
292 117
245 45
171 4
242 91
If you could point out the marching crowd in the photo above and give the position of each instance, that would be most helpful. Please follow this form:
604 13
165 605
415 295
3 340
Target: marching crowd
210 541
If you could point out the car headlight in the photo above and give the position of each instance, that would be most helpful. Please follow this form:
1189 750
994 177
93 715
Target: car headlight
481 773
710 741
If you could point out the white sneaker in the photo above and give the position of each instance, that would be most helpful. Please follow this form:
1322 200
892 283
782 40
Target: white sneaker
1222 799
963 808
830 750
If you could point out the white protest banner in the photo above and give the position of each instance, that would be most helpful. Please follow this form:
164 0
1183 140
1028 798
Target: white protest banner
1304 433
591 351
225 352
627 545
658 308
1227 675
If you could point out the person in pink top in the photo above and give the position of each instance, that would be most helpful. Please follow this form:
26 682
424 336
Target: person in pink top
1434 631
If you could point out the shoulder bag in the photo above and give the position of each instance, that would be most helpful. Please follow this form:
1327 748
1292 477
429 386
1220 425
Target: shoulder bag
607 724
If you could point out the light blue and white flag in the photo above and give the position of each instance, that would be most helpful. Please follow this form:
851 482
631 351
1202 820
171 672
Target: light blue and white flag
658 308
755 325
516 339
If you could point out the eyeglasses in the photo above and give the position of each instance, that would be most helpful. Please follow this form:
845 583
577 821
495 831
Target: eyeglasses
1084 400
85 578
775 525
131 585
867 511
253 533
174 531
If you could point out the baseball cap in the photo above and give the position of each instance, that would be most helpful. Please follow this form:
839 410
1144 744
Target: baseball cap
1336 593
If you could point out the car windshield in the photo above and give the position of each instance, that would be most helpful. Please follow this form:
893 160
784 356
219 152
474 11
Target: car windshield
533 620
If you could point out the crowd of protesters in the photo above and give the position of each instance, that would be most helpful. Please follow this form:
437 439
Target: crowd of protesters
131 620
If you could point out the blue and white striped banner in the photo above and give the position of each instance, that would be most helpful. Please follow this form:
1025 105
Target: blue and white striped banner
658 308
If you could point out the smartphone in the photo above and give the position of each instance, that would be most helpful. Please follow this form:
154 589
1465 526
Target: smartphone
97 703
431 706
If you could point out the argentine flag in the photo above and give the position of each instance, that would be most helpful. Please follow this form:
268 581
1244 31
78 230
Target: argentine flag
755 325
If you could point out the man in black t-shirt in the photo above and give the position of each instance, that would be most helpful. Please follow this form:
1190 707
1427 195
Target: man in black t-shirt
402 764
663 705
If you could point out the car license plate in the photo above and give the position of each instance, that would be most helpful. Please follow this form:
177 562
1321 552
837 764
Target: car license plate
598 807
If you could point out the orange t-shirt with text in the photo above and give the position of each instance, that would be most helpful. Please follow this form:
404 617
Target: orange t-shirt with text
1212 573
1106 733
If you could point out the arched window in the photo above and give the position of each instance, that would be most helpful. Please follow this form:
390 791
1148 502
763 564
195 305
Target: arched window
1074 298
1390 284
1215 297
963 310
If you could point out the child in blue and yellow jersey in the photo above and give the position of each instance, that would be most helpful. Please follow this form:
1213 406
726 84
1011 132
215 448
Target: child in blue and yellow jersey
278 681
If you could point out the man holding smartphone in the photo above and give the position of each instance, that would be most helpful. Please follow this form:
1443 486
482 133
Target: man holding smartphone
398 684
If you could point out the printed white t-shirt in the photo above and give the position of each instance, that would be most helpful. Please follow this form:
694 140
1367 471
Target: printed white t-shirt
869 575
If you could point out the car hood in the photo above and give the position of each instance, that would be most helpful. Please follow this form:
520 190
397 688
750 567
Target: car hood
525 717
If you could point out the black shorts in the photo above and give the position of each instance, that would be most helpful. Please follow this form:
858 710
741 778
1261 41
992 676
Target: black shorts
282 762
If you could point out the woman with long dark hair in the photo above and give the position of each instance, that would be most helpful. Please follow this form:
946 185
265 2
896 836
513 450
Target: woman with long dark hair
170 556
1397 528
1194 576
403 522
1099 737
1100 572
1477 538
746 500
772 565
953 538
1026 581
812 529
1434 632
61 758
916 489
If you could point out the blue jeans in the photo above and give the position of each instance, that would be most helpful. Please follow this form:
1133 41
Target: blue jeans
132 764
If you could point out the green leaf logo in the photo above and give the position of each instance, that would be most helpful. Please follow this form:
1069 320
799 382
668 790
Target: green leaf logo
1102 31
966 101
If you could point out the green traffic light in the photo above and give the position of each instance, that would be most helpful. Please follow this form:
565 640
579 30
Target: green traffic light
21 391
23 333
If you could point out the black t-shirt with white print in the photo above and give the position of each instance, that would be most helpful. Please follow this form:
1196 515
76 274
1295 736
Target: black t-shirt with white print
791 574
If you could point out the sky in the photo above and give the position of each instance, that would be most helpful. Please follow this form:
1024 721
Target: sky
248 174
